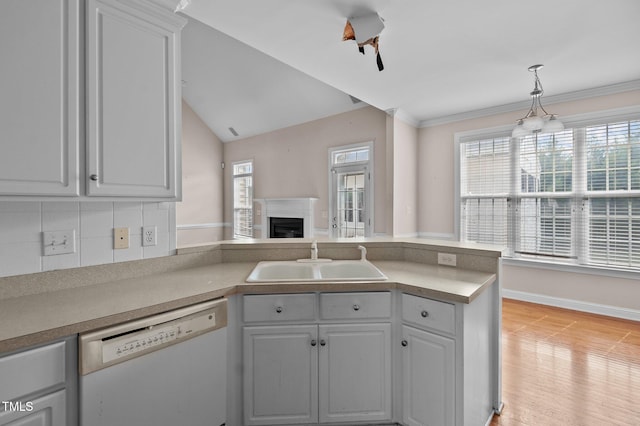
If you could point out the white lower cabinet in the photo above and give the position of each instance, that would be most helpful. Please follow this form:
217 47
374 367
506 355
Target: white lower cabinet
48 410
38 386
308 373
355 373
428 378
281 374
321 371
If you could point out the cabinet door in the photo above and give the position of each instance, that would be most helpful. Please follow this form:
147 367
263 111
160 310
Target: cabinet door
428 372
39 101
280 375
48 410
355 372
133 100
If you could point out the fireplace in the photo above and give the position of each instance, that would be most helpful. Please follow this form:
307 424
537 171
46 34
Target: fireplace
293 217
286 227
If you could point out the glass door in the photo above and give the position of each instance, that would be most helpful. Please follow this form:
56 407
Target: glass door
350 216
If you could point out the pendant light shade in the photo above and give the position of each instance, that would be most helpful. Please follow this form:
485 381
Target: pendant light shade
533 122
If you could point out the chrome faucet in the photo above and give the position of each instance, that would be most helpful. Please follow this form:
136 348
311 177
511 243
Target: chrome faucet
314 250
363 253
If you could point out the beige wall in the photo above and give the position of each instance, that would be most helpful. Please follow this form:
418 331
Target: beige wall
199 216
436 181
405 179
292 162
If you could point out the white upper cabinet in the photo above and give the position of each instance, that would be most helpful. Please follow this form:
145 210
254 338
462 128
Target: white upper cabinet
133 100
39 97
102 120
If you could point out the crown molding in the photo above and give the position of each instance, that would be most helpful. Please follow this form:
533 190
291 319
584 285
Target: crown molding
548 100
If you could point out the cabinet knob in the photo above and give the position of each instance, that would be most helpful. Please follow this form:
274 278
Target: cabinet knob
314 342
404 343
93 177
323 342
424 314
279 309
356 307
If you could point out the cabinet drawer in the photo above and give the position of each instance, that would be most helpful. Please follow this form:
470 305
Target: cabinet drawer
355 305
280 307
428 313
30 371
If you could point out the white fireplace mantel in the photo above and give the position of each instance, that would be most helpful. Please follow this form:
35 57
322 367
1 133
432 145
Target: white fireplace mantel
299 207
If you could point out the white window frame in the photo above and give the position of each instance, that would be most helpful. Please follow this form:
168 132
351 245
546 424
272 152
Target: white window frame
368 165
580 190
233 190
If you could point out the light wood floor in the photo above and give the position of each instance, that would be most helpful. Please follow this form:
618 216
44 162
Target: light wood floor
568 368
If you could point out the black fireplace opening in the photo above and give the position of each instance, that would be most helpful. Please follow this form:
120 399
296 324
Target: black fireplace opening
286 227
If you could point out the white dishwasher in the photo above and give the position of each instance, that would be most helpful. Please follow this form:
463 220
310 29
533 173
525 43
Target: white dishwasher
166 370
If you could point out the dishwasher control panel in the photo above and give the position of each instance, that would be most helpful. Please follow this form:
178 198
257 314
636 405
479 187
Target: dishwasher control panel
144 340
116 344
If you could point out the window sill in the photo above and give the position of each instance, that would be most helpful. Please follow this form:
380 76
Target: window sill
567 267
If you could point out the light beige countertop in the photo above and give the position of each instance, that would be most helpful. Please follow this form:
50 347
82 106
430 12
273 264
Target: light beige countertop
41 317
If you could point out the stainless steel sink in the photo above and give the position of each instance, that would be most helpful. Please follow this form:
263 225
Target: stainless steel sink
320 270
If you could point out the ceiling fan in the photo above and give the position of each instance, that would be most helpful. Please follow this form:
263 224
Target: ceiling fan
365 30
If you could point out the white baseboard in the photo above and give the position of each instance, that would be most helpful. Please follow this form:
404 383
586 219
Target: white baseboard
576 305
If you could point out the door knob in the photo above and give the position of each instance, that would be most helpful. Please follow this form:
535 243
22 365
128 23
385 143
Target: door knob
323 342
93 177
424 314
356 307
314 342
279 309
404 343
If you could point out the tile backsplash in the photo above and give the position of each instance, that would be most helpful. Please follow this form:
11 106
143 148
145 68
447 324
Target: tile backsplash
22 225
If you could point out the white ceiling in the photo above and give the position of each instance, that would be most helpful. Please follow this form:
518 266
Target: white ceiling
441 58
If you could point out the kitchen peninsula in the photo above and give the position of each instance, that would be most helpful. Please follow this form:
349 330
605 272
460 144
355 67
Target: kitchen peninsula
449 314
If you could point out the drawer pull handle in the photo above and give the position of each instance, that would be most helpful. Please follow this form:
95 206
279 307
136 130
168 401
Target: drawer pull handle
279 309
404 343
356 307
323 342
424 314
314 342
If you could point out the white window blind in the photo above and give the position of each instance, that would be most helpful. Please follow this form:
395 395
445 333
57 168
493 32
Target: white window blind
571 196
613 190
545 202
243 199
485 190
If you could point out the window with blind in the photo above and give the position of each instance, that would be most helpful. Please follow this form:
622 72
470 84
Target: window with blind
571 196
243 199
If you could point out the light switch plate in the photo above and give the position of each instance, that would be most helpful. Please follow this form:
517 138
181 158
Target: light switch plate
59 242
120 238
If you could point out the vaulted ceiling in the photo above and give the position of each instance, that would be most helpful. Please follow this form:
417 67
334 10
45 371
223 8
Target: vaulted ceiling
258 66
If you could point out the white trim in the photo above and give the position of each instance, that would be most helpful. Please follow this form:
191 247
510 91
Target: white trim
188 226
437 236
576 305
523 105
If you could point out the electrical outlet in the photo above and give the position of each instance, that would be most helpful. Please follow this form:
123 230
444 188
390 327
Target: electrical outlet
120 238
447 259
59 242
149 236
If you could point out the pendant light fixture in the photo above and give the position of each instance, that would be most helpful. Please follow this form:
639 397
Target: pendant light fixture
533 122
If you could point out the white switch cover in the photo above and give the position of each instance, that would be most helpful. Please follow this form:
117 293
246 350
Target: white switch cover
446 259
120 238
149 235
59 242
